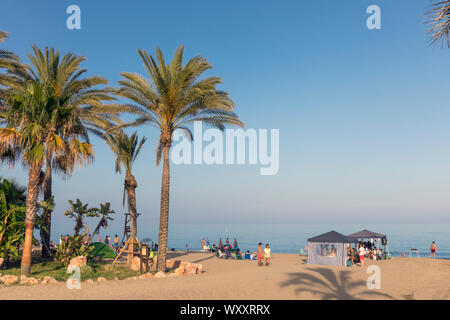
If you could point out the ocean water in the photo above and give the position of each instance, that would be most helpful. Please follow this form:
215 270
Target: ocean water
290 238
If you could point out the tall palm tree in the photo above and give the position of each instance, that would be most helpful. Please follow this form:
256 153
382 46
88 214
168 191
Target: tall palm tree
126 148
80 95
173 98
439 19
79 211
45 117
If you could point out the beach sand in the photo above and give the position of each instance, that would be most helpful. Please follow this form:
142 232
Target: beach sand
289 277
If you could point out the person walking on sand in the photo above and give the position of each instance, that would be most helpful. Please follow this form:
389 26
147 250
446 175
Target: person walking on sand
433 250
267 255
259 254
362 252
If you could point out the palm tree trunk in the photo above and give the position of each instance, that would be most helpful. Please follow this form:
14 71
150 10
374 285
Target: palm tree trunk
164 213
47 214
131 185
32 196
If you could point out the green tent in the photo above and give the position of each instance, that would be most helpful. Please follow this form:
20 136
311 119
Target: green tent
102 250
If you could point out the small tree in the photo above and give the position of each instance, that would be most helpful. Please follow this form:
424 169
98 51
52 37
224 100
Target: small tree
79 212
105 212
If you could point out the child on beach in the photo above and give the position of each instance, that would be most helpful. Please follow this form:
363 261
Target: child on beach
259 254
267 255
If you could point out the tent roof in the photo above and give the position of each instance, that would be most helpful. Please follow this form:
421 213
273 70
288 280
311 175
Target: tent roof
364 234
332 236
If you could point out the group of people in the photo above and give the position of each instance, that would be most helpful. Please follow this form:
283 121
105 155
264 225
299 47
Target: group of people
226 251
364 250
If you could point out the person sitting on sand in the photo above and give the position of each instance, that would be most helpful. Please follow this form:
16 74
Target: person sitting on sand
238 254
267 255
247 255
433 250
259 254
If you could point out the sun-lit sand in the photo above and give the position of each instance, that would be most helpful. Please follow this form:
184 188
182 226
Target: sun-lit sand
289 277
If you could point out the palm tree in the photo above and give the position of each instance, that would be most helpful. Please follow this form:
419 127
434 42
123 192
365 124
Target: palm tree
104 211
126 148
8 61
79 212
173 98
439 18
42 119
71 91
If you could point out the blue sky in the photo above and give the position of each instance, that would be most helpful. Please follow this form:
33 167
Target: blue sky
363 114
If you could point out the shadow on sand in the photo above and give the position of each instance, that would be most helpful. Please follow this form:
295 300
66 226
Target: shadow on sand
330 284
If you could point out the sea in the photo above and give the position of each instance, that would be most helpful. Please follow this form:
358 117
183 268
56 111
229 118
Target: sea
290 238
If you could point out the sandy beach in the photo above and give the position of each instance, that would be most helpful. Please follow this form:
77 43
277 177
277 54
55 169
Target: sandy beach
289 277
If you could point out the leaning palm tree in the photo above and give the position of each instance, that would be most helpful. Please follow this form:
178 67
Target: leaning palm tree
173 98
126 148
35 123
79 94
105 213
439 19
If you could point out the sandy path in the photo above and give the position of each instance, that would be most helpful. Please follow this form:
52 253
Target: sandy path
288 278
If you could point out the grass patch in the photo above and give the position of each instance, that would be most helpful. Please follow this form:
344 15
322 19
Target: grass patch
42 268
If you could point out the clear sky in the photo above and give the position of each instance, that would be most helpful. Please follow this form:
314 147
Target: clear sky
363 114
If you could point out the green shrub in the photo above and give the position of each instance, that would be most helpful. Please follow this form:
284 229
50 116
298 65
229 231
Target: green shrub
72 248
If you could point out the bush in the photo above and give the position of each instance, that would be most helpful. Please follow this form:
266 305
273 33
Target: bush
72 248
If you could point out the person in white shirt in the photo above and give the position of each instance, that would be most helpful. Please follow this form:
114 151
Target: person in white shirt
362 252
267 255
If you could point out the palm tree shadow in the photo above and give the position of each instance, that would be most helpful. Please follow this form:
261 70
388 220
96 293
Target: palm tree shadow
331 285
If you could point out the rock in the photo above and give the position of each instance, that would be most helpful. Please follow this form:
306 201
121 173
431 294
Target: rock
160 274
136 264
49 280
190 269
179 271
146 276
26 280
116 279
133 278
89 281
8 279
79 261
101 279
173 264
1 263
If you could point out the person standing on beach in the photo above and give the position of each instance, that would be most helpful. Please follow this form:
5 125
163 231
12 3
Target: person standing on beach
203 243
433 250
362 252
267 255
259 254
116 242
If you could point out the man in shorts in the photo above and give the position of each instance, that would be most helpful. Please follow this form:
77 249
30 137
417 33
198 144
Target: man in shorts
433 250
